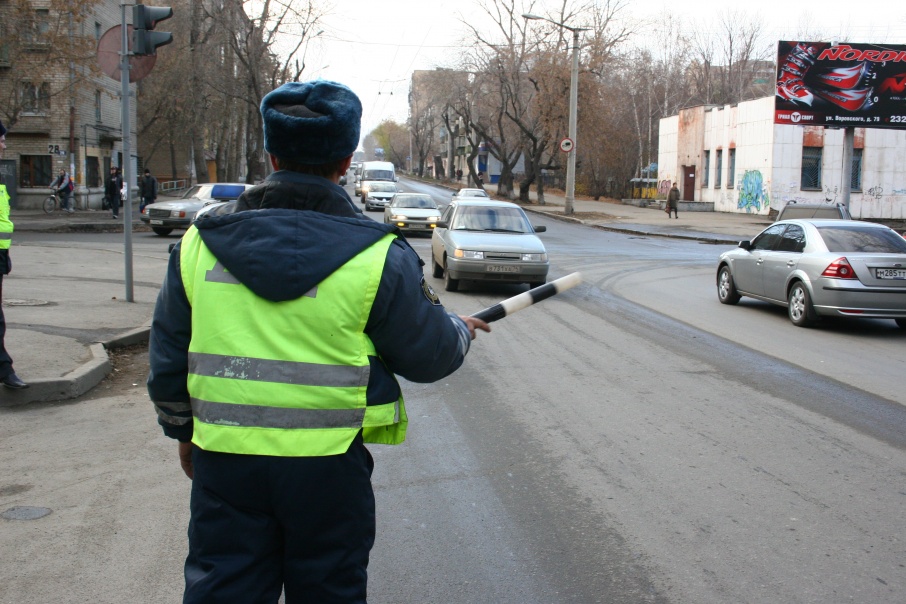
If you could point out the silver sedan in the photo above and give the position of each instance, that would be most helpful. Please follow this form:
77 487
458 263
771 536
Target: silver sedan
485 240
414 212
831 268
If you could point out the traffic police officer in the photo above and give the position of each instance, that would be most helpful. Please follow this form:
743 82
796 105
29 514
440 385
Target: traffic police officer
274 344
8 377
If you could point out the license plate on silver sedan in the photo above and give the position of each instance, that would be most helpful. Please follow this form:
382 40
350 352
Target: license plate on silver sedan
156 221
502 268
891 273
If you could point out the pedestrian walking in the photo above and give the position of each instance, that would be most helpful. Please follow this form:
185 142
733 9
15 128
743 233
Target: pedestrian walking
273 362
112 187
64 187
673 201
147 190
8 376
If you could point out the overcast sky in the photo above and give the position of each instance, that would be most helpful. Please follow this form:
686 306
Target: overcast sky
373 46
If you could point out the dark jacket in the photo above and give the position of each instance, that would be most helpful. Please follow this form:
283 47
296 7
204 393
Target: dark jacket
286 236
672 197
112 186
148 187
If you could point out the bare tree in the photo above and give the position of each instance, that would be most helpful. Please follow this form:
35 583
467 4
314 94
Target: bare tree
38 40
394 139
729 61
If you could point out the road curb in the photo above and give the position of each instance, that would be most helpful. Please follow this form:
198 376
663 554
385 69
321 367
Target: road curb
78 381
637 232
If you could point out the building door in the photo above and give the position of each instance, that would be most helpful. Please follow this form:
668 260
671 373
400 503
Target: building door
688 183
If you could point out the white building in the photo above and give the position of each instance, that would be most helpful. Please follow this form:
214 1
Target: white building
737 159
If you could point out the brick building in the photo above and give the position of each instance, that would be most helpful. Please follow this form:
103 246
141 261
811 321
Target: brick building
61 114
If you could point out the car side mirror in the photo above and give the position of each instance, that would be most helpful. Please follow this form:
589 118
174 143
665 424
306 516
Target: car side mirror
746 245
539 229
440 224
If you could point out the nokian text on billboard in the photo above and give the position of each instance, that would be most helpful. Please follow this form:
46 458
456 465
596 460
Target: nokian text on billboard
842 85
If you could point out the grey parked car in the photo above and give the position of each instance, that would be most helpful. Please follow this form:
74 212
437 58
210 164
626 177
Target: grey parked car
832 268
485 240
813 210
164 216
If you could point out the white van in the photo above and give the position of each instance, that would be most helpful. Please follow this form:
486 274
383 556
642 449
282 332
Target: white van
375 171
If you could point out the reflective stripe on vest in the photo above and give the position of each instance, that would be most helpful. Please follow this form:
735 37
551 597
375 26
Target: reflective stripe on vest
284 378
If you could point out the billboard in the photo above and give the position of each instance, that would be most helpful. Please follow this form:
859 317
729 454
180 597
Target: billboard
861 85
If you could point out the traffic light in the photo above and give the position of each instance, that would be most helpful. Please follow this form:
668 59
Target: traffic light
144 20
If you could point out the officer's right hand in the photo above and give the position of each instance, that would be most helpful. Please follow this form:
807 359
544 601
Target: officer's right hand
185 458
473 323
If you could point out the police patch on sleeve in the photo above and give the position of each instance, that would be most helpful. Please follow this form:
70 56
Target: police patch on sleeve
430 293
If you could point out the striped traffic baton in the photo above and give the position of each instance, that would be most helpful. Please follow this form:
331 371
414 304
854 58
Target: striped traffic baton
526 299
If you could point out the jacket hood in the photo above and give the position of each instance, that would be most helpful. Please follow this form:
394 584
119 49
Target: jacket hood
288 234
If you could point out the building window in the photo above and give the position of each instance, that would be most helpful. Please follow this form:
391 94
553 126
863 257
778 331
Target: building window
717 165
34 34
706 168
811 168
97 103
98 33
731 168
34 98
92 172
34 170
857 170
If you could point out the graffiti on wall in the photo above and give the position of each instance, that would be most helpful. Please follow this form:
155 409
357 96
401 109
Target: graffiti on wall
876 193
753 192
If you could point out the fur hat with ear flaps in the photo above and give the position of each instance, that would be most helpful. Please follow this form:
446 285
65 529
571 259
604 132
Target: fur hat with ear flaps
311 122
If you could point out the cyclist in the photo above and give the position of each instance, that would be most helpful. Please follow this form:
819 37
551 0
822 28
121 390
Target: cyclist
64 187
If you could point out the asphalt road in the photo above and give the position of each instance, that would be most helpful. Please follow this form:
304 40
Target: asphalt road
621 442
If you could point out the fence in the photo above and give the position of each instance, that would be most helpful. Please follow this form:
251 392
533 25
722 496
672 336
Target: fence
172 185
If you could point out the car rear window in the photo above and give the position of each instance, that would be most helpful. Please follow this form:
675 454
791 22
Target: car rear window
227 191
810 212
854 239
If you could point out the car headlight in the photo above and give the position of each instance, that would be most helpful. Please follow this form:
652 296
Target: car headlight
534 257
397 217
177 213
468 254
433 218
365 188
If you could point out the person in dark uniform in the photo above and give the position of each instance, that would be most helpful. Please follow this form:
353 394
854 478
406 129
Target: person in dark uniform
112 191
274 346
8 377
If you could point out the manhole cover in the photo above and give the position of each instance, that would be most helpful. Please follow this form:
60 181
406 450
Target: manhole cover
15 302
25 513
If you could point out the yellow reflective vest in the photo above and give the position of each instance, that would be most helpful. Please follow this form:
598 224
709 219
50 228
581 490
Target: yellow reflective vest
289 378
6 225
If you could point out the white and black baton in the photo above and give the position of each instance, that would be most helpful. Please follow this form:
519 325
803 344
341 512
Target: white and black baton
526 299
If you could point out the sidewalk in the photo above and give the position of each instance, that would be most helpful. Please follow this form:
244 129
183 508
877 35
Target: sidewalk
63 313
652 221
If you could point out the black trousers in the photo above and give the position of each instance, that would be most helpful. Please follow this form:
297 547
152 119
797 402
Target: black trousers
261 524
6 363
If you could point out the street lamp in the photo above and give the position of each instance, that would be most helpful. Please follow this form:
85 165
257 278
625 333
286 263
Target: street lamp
573 100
